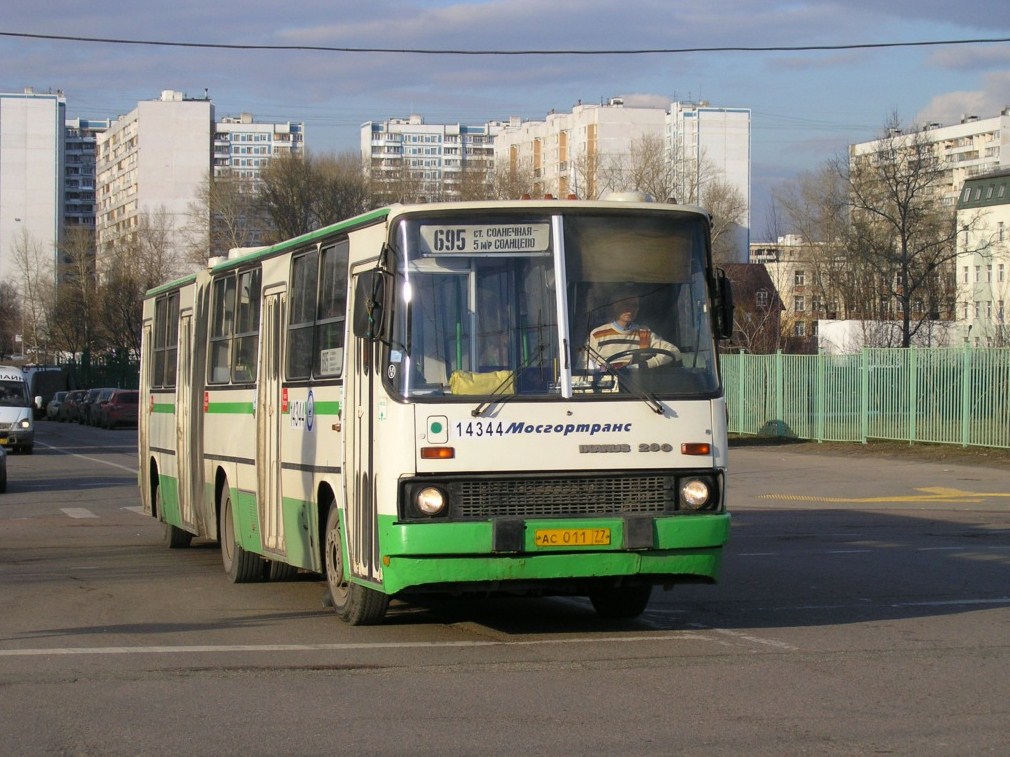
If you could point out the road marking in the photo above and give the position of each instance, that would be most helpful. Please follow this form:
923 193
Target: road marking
138 509
127 468
928 494
191 649
78 512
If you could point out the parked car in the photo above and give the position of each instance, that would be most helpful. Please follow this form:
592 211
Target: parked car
3 470
95 408
70 405
120 409
53 408
84 406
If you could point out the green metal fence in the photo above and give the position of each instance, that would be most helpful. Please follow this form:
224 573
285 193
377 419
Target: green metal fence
944 396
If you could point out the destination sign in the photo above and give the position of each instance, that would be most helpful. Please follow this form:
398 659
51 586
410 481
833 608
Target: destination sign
489 239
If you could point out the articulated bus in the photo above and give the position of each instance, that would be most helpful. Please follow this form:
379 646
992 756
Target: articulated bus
416 401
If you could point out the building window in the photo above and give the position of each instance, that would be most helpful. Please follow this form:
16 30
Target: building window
988 273
761 298
799 278
965 281
799 304
800 328
978 274
1000 273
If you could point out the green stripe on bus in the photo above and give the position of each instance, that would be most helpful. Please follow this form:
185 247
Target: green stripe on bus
164 407
231 408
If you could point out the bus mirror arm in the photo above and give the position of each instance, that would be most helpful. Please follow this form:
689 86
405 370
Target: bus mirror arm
724 291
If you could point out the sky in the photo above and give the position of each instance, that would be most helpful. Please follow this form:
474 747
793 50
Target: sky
807 106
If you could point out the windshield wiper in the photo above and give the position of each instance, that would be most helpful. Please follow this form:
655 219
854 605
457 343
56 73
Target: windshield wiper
498 393
627 380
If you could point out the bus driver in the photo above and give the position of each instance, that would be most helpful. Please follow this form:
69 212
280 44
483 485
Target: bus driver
623 343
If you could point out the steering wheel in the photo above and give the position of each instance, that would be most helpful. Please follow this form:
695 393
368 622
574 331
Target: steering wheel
641 355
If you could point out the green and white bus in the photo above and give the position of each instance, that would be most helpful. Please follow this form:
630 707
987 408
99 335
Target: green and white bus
409 402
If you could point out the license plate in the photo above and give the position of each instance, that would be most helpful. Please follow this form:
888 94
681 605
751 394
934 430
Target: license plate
571 537
3 441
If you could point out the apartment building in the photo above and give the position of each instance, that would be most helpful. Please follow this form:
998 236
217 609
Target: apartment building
243 146
79 170
589 152
437 156
579 153
970 148
151 161
801 273
983 260
31 176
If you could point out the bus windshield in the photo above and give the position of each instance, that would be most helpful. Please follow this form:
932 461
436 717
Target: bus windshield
588 304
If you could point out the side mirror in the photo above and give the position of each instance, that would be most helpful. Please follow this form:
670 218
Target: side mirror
724 293
38 403
369 295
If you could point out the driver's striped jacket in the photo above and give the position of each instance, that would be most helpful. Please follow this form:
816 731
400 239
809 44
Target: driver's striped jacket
610 340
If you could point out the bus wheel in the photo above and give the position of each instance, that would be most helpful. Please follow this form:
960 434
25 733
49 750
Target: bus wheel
280 571
620 602
241 566
354 604
172 537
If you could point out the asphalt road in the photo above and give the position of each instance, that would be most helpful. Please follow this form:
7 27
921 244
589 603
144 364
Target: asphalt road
864 608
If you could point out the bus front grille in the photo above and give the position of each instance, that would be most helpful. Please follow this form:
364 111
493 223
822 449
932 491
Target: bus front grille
562 496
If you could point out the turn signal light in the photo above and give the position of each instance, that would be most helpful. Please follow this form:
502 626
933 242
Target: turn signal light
696 448
438 453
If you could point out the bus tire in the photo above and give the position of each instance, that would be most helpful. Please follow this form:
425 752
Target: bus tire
620 602
353 603
172 537
240 565
280 571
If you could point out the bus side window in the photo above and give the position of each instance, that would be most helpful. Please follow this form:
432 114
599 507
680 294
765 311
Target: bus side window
222 326
330 316
302 310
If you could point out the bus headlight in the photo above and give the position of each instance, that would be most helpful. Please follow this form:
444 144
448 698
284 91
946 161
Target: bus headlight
430 500
695 493
25 423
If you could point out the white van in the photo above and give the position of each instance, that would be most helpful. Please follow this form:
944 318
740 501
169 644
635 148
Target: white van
17 427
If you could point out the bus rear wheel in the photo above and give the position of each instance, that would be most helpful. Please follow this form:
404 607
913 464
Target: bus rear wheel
173 537
353 603
241 566
620 602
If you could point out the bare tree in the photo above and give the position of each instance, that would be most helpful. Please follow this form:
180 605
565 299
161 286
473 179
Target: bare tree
728 209
645 168
225 214
398 182
342 188
590 177
34 262
10 316
286 194
512 180
135 264
901 231
75 323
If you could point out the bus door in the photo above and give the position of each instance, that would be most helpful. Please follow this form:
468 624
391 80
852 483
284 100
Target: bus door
186 447
360 391
268 421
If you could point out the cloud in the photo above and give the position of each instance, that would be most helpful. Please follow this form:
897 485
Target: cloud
973 58
950 107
